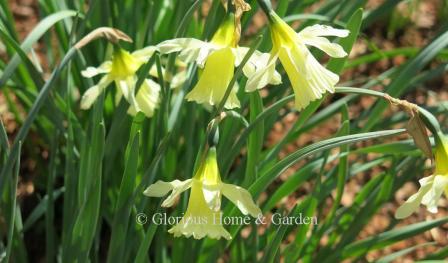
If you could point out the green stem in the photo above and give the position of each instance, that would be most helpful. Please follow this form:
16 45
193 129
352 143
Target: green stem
230 7
431 122
265 6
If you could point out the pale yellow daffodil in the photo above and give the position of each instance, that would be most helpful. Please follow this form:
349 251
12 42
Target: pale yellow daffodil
217 60
309 79
122 70
203 215
431 187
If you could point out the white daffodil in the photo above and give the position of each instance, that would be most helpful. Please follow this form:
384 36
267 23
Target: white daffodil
309 79
203 214
122 70
217 60
431 187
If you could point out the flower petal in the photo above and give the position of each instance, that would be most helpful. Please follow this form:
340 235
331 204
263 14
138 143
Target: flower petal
260 72
199 231
90 96
179 79
147 98
321 31
241 198
144 54
414 201
432 197
161 188
199 220
127 87
92 71
308 77
332 49
191 49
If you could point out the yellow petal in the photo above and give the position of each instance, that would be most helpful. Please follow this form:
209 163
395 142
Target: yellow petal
90 96
190 49
199 220
144 54
332 49
432 197
92 71
308 78
127 88
147 98
161 188
260 71
412 204
322 30
215 78
241 198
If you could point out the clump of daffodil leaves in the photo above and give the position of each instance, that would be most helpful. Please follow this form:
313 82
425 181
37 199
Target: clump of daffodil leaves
216 61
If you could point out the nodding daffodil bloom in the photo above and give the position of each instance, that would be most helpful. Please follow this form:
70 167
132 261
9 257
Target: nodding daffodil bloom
431 187
217 60
309 79
203 215
122 70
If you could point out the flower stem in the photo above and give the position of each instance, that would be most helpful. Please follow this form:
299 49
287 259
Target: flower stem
230 7
265 6
430 121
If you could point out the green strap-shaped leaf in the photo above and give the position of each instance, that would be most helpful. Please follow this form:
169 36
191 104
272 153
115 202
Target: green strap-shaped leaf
281 166
35 35
390 237
399 84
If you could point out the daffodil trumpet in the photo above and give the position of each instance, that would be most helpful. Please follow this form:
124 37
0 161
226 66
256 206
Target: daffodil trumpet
121 70
309 79
201 218
431 187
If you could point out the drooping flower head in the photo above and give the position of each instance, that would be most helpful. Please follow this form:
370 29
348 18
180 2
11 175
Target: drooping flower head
431 187
122 70
309 79
202 218
216 59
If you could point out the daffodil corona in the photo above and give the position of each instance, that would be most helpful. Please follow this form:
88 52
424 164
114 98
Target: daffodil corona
122 70
202 218
431 187
309 79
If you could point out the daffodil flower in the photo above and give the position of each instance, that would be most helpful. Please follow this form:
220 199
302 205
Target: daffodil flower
202 218
122 70
217 60
309 79
431 187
